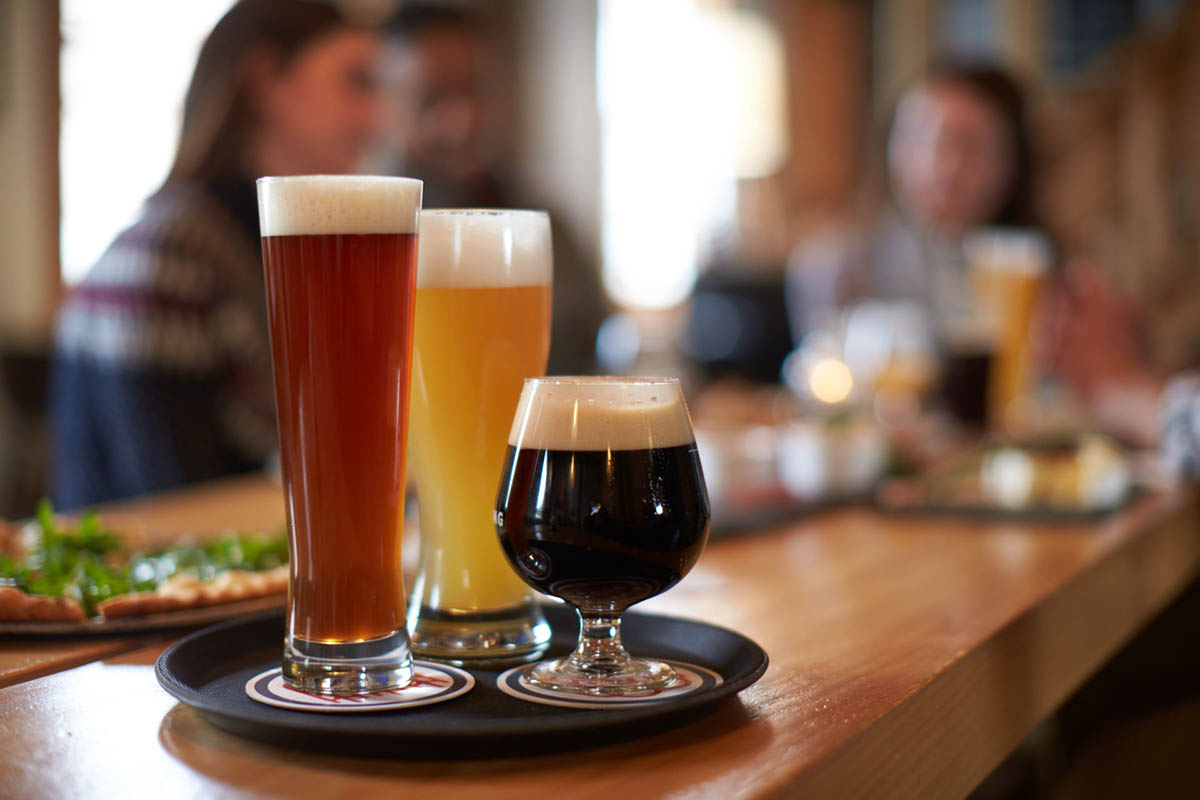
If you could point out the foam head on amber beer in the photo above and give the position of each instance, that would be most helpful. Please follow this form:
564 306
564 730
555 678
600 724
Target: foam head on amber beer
483 248
345 204
599 414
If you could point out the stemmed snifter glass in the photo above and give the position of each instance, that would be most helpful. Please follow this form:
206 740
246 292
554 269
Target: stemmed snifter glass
602 503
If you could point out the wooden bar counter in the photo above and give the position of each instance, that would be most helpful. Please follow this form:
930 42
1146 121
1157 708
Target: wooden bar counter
909 655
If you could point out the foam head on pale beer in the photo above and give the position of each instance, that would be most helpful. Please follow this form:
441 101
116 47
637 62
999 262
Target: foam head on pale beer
345 204
599 414
484 248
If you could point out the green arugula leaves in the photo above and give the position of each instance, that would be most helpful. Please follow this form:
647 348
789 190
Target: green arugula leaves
90 565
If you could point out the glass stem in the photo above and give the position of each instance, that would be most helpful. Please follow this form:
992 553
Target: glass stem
599 650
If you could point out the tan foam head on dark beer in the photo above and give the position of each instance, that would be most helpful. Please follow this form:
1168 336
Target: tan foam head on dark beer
598 414
325 204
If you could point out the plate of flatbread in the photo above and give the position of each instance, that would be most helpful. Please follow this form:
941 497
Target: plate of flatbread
63 575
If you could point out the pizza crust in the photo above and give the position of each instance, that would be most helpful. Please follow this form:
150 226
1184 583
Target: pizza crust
188 591
17 606
10 539
180 592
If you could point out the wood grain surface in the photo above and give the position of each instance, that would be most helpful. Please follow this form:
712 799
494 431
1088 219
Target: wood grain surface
909 656
25 657
247 504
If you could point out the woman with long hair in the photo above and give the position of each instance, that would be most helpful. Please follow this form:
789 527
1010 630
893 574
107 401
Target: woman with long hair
958 158
162 369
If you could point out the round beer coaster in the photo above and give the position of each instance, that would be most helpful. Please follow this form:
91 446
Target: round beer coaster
431 683
691 679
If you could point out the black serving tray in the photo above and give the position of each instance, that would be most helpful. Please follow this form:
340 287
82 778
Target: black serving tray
208 670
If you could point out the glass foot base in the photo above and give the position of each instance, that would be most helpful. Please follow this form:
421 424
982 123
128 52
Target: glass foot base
631 676
483 639
352 668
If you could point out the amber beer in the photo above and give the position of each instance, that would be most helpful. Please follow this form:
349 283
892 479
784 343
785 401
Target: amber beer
482 327
339 255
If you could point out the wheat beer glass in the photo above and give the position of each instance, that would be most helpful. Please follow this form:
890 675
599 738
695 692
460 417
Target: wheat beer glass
1008 270
340 258
482 328
602 503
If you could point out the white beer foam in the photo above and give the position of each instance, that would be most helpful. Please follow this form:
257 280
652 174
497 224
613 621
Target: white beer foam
599 414
324 204
478 247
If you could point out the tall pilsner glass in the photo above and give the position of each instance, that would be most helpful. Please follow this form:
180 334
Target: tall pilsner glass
340 257
483 327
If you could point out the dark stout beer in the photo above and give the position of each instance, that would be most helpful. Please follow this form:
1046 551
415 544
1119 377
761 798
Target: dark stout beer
602 503
606 529
602 499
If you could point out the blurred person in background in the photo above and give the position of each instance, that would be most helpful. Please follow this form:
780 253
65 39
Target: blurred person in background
1092 337
444 118
959 161
958 158
1120 156
1122 329
162 372
1129 731
445 126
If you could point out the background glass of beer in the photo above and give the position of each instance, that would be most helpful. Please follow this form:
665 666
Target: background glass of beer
483 326
1008 269
340 257
602 503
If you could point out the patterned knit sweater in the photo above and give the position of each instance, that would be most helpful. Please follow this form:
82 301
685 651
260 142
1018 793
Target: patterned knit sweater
162 373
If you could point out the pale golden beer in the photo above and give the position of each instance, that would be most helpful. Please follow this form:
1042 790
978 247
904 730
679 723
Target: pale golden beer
482 327
475 347
1008 273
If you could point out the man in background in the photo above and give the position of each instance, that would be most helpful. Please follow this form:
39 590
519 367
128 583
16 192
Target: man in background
446 125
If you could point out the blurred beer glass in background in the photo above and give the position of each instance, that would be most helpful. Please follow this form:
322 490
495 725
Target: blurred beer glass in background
1008 269
879 354
482 327
968 347
339 257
